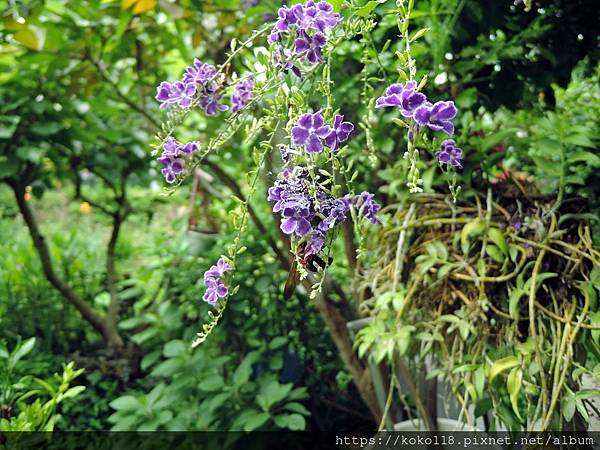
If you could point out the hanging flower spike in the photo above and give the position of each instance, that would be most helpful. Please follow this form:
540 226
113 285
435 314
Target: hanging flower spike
315 243
403 96
449 154
437 117
242 93
340 133
310 131
318 16
367 207
174 156
215 288
335 212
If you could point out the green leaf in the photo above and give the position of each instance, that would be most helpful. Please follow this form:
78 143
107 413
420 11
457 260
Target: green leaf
126 403
22 350
501 365
243 371
174 348
513 302
368 8
278 342
8 166
589 158
8 126
30 153
337 4
495 253
297 408
471 229
274 392
513 385
74 391
493 139
418 34
254 420
211 383
294 422
497 237
567 407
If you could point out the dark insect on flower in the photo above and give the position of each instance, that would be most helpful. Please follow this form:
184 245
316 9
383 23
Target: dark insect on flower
310 261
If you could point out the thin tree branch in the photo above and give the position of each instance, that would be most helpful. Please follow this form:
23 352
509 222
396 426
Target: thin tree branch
44 253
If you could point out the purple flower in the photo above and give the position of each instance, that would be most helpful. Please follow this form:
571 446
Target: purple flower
285 62
340 132
296 217
218 270
178 93
242 93
310 131
304 26
403 96
318 16
286 153
308 211
310 47
315 242
174 156
367 207
335 211
215 288
438 116
211 103
287 17
449 153
199 72
172 170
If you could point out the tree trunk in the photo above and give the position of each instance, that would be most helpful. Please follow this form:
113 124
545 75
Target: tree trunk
109 334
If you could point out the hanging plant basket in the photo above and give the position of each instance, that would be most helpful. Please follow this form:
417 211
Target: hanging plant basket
501 291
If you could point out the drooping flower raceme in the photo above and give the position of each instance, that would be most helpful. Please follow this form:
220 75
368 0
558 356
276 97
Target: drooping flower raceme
175 157
449 153
414 105
367 207
200 83
308 211
242 93
215 288
300 34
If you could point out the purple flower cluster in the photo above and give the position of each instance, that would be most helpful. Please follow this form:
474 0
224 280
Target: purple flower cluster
306 26
200 84
449 154
174 158
215 289
308 211
367 207
311 132
437 116
242 93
